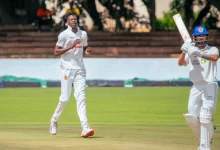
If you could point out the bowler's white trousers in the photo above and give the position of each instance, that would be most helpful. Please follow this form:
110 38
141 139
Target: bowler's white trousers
76 78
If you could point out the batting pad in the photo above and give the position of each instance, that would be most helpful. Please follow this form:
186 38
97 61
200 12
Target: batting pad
193 123
206 128
205 115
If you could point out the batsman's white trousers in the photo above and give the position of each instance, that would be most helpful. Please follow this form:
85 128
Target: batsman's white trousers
202 103
202 95
76 78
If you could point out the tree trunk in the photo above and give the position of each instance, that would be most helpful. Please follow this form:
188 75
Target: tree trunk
94 14
188 13
151 5
6 12
202 14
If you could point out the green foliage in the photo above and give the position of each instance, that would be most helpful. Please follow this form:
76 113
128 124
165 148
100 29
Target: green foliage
167 22
210 23
212 20
177 6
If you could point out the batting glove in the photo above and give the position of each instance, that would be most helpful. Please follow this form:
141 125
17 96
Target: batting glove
185 47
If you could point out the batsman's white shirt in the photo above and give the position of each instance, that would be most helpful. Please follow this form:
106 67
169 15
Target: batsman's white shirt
73 59
201 71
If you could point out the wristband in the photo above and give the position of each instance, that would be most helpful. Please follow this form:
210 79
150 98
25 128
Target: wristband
206 56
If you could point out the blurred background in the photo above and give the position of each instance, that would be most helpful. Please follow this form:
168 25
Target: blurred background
135 39
115 15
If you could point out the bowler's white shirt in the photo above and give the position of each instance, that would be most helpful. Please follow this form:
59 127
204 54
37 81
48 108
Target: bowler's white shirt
201 71
72 59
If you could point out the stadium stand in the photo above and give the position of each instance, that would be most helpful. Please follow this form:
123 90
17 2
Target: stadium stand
25 42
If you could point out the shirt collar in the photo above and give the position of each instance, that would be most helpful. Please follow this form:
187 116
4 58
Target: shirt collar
205 48
69 28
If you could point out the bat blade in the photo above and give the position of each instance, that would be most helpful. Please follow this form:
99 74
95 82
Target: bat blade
182 28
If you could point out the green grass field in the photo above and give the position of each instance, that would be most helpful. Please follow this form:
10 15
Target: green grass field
146 118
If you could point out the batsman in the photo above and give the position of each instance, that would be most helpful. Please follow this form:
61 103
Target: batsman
201 59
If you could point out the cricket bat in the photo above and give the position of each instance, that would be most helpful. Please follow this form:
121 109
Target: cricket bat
182 28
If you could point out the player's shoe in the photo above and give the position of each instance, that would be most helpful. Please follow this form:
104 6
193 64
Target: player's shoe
214 127
53 128
87 132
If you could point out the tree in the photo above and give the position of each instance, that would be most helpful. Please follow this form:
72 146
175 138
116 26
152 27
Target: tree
151 5
167 22
18 11
6 14
91 8
188 12
202 14
184 7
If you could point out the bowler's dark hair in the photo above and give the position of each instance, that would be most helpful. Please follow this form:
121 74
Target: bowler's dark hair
70 14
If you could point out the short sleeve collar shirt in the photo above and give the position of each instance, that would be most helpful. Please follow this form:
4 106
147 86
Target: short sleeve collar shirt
72 59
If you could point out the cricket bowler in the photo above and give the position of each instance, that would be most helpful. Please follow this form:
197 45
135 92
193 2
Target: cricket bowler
71 45
201 59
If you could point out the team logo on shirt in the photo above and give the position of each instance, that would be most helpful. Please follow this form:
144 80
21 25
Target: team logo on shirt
195 62
79 46
203 61
195 54
81 38
65 77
